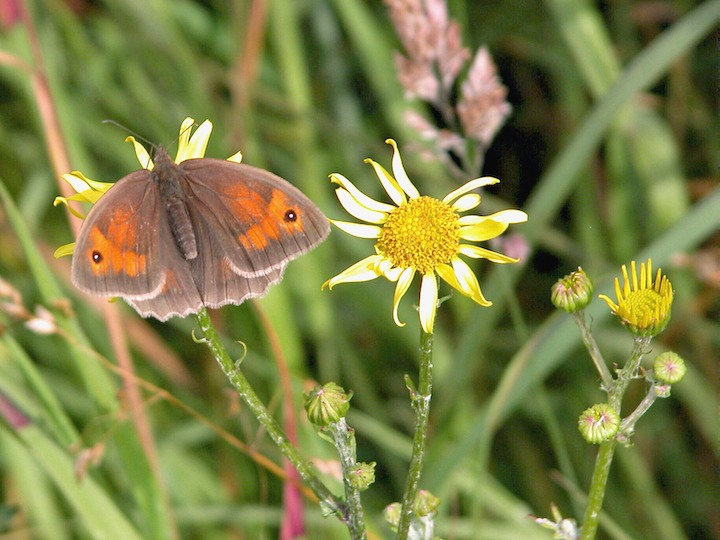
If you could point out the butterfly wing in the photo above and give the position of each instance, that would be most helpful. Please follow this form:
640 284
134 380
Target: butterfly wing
259 220
247 222
125 248
215 275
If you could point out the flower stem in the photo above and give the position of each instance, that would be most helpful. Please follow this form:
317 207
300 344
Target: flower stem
604 459
594 350
597 489
628 372
251 399
627 426
421 404
344 441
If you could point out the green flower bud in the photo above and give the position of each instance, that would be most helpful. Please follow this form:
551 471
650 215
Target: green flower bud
327 404
599 423
662 390
362 475
392 514
426 504
573 292
669 367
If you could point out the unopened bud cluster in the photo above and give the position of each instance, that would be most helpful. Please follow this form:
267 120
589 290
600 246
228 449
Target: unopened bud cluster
599 423
573 292
669 368
327 404
424 507
362 475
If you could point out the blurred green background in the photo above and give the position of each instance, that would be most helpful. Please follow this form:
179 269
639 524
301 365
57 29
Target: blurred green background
612 150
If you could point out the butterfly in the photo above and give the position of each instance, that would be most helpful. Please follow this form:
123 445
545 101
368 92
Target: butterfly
201 233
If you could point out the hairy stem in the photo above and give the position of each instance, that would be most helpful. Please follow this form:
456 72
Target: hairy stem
594 350
607 449
344 441
597 489
421 404
251 399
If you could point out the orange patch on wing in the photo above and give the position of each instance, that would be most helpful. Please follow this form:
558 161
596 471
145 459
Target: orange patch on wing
113 257
274 217
238 191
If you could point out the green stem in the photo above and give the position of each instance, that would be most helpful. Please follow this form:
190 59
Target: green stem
607 449
627 426
251 399
594 350
628 372
344 440
421 404
597 489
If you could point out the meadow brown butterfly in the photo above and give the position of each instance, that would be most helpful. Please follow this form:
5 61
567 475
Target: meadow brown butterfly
204 232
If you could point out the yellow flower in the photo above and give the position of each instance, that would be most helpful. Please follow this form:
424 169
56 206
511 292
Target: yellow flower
420 234
189 146
642 305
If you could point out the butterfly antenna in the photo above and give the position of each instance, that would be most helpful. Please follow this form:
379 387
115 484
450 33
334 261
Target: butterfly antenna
135 134
189 128
130 131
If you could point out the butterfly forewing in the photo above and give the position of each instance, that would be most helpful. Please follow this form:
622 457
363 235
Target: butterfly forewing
117 251
260 220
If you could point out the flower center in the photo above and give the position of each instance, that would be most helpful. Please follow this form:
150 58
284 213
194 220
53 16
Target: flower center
420 234
642 308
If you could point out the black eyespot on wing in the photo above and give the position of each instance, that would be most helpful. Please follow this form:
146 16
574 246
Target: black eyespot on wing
291 215
97 257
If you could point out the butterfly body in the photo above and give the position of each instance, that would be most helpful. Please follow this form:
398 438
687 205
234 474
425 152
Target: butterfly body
170 181
204 232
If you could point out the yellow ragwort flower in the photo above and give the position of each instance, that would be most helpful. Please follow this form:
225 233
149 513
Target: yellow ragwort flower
420 234
189 146
643 305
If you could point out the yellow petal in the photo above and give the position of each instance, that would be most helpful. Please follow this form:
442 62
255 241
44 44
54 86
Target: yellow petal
485 229
390 185
359 196
357 210
509 216
184 137
62 200
613 306
82 183
477 252
64 250
428 302
77 180
363 270
466 202
197 144
626 289
392 273
468 287
403 284
385 267
466 278
143 157
399 172
472 184
359 230
236 157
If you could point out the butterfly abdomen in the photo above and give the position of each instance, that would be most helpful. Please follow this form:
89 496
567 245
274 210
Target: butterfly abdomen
169 177
181 227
